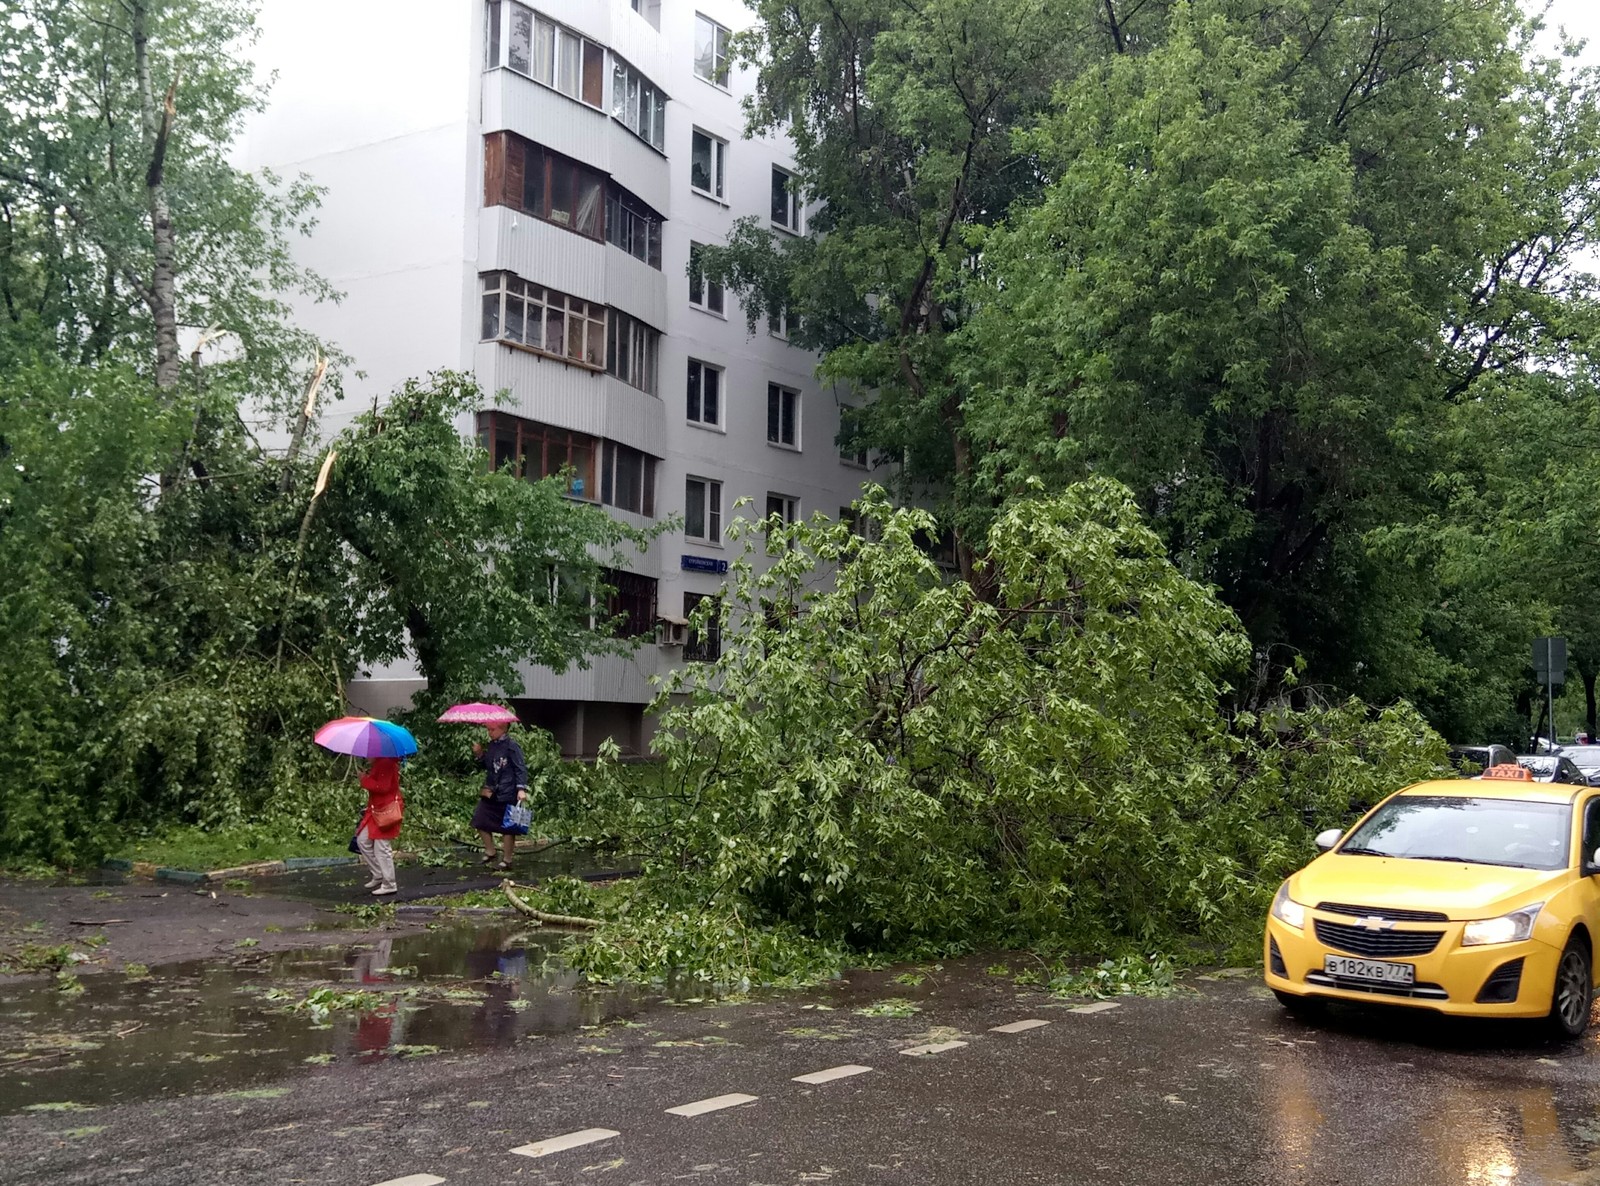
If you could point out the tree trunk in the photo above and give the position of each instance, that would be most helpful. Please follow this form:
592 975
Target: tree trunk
161 296
430 662
308 408
1588 700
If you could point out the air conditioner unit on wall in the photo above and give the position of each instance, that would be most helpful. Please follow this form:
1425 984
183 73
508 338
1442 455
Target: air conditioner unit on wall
671 632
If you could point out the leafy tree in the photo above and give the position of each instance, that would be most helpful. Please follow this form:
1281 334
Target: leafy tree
140 682
476 572
887 759
902 118
121 217
1246 259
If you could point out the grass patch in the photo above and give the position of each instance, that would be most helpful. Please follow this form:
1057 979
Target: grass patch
192 848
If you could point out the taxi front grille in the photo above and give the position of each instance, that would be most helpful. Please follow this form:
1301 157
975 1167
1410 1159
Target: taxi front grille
1377 944
1382 912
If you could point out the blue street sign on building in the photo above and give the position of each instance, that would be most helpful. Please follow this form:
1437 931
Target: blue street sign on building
702 564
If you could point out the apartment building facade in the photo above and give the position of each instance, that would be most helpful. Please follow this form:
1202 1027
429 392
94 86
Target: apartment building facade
517 189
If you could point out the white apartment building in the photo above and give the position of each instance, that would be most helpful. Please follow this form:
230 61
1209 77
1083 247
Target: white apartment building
515 189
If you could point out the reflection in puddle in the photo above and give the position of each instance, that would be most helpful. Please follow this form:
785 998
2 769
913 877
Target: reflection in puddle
202 1027
1472 1111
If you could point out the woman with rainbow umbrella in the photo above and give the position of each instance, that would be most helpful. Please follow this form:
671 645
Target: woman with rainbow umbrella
385 743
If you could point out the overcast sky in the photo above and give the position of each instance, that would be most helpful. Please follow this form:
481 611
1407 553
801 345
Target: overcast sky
1581 18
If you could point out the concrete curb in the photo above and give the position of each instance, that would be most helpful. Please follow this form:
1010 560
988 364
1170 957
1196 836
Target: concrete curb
290 864
428 909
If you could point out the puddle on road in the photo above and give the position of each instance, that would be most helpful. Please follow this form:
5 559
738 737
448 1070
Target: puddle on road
202 1026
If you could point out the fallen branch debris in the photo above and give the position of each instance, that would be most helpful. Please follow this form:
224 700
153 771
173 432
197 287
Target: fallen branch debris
560 920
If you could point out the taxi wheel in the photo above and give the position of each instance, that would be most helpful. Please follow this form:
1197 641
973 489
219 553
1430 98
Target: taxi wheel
1574 991
1305 1008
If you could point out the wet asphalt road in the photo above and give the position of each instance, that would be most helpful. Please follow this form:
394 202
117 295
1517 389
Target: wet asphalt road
1216 1085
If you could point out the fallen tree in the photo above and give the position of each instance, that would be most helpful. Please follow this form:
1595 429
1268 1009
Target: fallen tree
882 760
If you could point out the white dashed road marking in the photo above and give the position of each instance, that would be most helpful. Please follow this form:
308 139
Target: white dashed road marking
1097 1007
932 1048
571 1140
715 1104
832 1073
412 1180
1016 1027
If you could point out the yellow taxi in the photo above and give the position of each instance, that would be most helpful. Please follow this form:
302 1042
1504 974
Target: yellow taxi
1476 898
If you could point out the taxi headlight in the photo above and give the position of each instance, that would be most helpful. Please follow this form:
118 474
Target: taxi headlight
1508 928
1287 911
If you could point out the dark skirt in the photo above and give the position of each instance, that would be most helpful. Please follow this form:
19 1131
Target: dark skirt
489 816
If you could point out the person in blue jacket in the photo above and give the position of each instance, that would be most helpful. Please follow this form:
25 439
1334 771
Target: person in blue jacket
505 784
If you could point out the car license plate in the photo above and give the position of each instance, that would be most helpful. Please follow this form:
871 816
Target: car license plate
1380 971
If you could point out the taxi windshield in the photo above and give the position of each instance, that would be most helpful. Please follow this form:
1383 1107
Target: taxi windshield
1510 832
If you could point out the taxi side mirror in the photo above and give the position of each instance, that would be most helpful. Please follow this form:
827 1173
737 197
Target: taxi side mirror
1326 840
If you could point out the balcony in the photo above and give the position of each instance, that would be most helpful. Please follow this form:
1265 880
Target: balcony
554 392
564 125
543 252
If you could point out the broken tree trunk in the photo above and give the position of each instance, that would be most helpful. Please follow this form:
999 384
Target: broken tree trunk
161 295
560 920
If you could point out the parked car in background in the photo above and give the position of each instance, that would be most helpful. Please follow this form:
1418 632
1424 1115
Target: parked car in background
1586 758
1483 757
1558 768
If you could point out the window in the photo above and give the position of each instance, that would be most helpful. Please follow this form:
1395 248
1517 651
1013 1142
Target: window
710 50
628 480
638 104
703 645
543 50
542 319
707 157
633 226
631 604
527 177
631 351
785 200
783 416
535 451
702 509
705 393
785 506
703 294
778 323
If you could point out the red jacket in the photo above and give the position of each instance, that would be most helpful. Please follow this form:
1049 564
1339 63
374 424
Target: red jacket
383 786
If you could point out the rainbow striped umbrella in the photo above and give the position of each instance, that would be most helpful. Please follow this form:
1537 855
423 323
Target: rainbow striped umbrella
366 737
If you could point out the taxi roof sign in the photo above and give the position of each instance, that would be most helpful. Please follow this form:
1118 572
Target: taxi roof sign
1510 771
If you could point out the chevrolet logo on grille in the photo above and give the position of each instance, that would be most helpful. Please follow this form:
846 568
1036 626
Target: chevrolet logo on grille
1376 922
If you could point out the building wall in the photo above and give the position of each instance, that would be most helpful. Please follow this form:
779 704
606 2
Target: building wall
383 114
391 116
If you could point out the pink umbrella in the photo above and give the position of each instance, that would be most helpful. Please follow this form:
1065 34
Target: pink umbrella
477 713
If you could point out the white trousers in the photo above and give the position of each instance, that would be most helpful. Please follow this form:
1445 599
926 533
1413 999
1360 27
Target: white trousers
379 856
